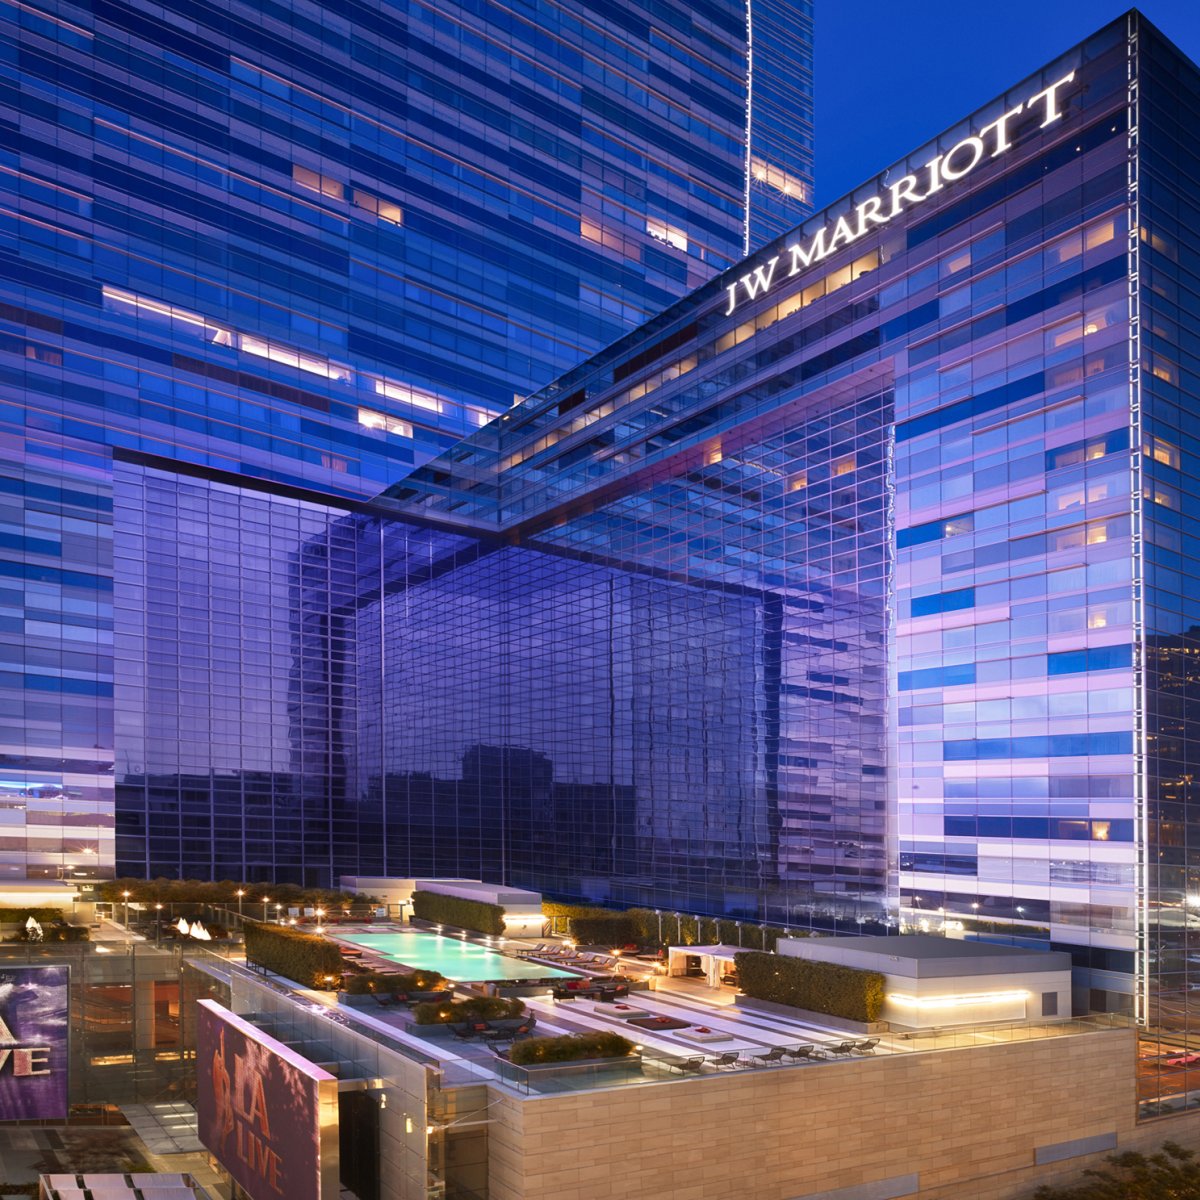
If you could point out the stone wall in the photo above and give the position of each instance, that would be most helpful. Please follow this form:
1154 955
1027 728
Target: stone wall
989 1123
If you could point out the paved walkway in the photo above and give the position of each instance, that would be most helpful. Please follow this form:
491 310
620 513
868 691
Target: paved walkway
165 1128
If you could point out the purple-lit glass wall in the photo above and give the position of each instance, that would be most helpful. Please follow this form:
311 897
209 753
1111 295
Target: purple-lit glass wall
302 247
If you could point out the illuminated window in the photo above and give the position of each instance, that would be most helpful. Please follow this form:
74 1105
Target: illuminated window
407 394
1097 618
385 210
1161 451
1159 242
663 232
1094 533
116 300
294 358
326 185
589 230
1160 368
714 456
381 421
1099 233
1160 493
798 300
958 525
959 261
844 466
779 179
798 482
1092 493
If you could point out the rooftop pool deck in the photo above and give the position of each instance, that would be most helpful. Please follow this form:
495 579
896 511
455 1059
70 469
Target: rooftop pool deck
454 958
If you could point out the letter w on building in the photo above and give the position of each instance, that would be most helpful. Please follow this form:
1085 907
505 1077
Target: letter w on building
759 280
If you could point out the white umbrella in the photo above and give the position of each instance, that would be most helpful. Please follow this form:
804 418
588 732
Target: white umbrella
183 927
200 933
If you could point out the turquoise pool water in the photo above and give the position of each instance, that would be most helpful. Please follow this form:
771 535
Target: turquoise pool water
451 957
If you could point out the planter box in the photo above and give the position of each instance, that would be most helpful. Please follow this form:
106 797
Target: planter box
816 1018
367 1000
579 1064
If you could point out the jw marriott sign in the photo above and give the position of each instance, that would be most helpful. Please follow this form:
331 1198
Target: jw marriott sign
960 160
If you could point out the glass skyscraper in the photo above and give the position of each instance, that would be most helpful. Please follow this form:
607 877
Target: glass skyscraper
855 587
257 258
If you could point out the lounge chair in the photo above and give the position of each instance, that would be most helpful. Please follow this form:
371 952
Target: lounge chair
383 1001
729 1059
691 1066
804 1054
867 1046
841 1048
774 1055
462 1033
540 948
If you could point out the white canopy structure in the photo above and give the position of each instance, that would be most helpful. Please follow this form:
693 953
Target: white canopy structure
716 960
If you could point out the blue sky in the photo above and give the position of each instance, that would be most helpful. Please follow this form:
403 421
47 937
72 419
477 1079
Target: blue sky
891 74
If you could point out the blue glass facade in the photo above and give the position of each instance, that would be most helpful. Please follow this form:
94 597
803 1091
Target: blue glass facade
302 248
912 484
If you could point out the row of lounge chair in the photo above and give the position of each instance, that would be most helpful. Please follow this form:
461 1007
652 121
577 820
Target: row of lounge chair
777 1056
565 955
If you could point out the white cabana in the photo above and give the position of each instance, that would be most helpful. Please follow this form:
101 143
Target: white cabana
716 960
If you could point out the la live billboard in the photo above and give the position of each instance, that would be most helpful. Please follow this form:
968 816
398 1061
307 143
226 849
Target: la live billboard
34 1033
267 1113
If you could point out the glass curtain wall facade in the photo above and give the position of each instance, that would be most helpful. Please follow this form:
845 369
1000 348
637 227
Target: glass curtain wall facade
301 248
937 443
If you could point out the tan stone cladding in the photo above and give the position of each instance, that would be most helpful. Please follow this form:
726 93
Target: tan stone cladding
967 1123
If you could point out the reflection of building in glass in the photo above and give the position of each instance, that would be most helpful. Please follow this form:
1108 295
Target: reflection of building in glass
328 246
896 515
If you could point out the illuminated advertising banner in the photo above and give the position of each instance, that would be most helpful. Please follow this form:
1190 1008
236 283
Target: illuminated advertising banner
268 1114
34 1027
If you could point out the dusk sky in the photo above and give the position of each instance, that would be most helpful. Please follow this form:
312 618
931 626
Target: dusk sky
890 76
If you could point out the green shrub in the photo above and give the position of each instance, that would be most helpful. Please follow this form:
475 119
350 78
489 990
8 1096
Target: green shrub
225 891
475 1008
476 915
614 929
592 926
385 983
308 959
818 987
1171 1173
571 1047
18 916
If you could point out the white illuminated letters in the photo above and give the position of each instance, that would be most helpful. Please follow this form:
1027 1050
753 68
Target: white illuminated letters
949 167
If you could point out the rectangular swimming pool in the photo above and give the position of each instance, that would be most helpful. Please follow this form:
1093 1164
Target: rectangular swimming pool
452 957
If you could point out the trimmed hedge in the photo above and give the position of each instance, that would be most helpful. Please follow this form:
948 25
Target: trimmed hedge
476 915
592 926
614 929
18 916
199 891
308 959
818 987
571 1047
386 983
475 1008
